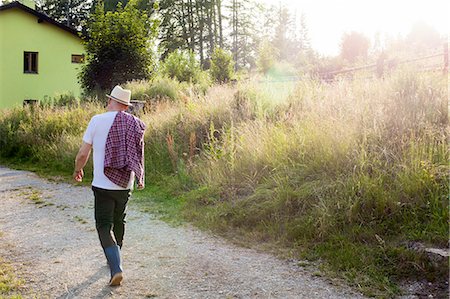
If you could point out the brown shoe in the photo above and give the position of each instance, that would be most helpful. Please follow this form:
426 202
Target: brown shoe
116 280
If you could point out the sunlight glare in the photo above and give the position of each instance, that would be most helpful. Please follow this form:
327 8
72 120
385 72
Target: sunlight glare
328 20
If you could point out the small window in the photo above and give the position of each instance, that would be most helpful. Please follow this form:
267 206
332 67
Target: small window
30 62
77 58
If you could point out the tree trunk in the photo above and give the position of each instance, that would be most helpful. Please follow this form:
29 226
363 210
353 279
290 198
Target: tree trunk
219 13
199 7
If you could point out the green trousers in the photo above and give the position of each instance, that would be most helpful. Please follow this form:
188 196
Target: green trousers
110 212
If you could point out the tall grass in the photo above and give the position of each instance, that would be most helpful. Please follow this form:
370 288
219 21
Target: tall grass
349 172
44 137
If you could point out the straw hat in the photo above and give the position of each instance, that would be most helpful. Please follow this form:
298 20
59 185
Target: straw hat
120 95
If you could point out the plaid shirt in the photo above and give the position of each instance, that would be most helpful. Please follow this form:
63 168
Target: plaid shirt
124 151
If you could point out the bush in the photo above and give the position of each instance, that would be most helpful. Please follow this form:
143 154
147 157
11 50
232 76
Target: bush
221 65
267 55
183 66
158 88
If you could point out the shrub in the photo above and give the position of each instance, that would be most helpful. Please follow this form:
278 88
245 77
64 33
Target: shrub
267 55
221 65
158 88
183 66
165 88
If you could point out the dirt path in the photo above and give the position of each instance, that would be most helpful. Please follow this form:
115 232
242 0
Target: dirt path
49 234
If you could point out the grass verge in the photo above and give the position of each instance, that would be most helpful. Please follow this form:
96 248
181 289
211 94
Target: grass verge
9 283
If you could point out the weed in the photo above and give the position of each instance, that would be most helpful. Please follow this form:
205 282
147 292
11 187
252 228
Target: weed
9 283
36 197
80 220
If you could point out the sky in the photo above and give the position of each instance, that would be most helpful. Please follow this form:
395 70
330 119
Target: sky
328 20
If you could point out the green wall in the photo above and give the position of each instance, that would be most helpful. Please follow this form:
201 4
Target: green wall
19 32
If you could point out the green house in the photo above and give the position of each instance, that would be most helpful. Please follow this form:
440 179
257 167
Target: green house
39 57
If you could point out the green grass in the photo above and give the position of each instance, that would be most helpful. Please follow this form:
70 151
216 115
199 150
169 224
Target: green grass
80 219
9 283
161 201
36 197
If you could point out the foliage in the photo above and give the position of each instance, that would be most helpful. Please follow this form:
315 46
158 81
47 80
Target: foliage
244 32
354 45
118 45
9 284
267 55
222 66
191 25
61 100
423 37
72 13
183 66
47 136
158 88
144 5
283 39
331 171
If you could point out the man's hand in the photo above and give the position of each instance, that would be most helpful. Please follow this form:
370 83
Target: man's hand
140 186
78 175
81 160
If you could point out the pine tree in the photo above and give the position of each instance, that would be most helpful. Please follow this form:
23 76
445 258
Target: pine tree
72 13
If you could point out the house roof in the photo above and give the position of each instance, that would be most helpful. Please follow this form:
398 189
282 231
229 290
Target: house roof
41 16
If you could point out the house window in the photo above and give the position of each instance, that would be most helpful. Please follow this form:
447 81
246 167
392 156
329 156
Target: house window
77 58
30 62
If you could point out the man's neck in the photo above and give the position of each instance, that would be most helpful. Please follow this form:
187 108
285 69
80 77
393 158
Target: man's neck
114 109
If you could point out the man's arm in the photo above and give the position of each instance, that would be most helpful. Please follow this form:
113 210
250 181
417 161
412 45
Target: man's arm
81 160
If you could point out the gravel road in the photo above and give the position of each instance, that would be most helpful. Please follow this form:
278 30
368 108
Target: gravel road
48 234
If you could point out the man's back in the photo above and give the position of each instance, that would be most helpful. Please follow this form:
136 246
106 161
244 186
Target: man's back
96 134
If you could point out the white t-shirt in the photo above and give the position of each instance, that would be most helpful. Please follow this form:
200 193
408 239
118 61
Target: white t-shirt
96 135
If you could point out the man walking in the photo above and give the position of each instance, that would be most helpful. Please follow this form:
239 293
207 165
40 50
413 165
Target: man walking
117 139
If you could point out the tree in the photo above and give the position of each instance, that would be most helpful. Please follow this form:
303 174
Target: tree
222 65
118 45
267 56
303 40
354 46
244 33
72 13
111 5
423 37
281 39
191 25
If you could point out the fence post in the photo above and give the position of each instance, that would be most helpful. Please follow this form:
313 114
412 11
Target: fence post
445 57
